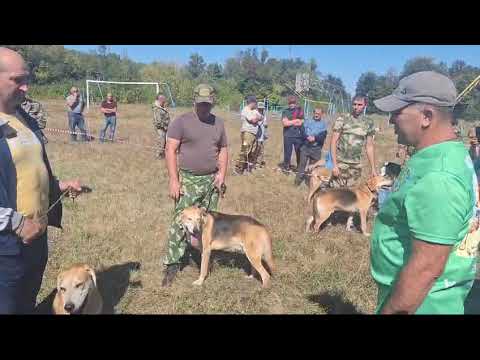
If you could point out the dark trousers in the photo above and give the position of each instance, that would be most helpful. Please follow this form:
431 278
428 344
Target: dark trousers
12 270
307 153
21 277
288 143
36 257
76 120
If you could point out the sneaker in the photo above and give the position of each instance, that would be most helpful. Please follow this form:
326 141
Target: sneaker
170 273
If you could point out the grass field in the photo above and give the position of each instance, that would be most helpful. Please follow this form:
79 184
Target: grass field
125 219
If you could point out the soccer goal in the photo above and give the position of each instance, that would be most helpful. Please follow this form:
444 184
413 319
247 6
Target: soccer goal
158 86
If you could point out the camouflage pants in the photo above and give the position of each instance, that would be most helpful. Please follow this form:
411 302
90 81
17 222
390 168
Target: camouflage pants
161 141
259 159
197 190
247 151
349 175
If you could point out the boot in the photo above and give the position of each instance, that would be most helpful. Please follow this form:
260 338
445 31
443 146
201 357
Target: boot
170 273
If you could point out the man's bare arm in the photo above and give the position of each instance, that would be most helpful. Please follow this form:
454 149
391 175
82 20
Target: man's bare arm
333 147
426 264
171 158
370 148
223 162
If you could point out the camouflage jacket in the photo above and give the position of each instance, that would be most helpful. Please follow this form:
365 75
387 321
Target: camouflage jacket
35 110
353 136
161 117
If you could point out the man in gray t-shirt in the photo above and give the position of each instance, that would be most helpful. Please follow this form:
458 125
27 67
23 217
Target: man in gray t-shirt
196 173
75 105
250 119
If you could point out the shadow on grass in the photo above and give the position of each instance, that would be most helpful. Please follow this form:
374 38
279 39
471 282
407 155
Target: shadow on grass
334 303
112 283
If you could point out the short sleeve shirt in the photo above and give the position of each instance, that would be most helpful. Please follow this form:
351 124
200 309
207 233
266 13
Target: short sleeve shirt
353 136
200 142
433 200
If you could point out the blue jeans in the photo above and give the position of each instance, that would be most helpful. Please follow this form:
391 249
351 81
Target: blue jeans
76 120
383 195
12 271
288 143
110 122
21 277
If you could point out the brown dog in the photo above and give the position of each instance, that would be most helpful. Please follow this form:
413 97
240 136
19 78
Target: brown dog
217 231
77 292
349 200
319 177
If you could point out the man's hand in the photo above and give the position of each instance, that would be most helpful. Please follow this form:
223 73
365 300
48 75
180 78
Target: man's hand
311 138
73 186
30 230
374 173
174 189
336 171
297 122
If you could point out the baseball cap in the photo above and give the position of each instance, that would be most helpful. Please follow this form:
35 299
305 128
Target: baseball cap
428 87
251 99
204 93
261 105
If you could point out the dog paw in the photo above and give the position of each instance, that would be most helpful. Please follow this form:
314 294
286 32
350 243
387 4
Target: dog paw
198 282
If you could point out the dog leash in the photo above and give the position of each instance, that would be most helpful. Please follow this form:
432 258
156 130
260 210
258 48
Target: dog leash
85 189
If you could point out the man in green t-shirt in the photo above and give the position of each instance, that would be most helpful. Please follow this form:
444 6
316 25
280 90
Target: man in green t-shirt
424 243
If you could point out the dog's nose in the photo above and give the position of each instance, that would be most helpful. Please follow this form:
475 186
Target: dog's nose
69 307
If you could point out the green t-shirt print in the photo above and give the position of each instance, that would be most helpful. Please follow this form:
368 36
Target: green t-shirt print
432 200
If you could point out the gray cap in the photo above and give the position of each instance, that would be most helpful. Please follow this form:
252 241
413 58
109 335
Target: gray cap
425 86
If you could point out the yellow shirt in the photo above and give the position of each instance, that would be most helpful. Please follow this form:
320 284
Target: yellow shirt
32 175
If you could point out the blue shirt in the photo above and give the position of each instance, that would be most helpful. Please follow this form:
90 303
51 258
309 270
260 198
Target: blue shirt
316 128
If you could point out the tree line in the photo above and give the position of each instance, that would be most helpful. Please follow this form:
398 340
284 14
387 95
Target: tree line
378 85
250 72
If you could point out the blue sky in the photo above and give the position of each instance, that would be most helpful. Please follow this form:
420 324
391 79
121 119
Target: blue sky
345 61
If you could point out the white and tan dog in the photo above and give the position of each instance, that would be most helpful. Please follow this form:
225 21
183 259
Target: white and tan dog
77 292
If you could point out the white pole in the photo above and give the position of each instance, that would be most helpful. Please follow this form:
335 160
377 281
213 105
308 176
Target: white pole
88 96
158 88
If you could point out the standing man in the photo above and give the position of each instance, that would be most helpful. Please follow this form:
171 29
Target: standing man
161 119
109 109
198 172
351 133
75 105
292 119
248 133
311 150
422 256
36 111
261 136
27 190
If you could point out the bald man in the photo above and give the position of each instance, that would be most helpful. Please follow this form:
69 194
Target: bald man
161 119
27 190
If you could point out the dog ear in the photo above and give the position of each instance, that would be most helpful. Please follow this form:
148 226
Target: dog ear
59 281
91 272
